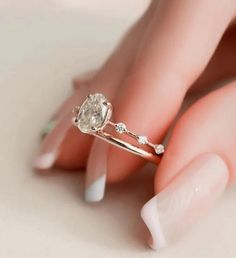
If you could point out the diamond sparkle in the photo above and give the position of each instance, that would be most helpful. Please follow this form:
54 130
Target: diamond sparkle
120 128
142 139
93 113
159 149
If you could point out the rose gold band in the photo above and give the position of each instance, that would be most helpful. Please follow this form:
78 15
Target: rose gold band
154 158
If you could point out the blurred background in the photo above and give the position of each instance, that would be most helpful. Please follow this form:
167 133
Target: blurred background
43 45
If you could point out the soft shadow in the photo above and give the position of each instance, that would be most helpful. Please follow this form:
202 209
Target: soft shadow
115 222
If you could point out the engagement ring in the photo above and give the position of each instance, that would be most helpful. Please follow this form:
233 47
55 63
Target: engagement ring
93 117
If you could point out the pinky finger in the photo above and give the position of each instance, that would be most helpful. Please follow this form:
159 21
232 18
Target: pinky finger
197 167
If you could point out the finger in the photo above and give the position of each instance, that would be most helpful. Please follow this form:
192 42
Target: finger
171 59
96 171
97 165
222 65
118 64
169 214
55 132
198 165
63 144
211 124
106 81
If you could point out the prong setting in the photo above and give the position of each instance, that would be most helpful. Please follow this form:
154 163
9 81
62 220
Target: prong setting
109 105
75 121
75 110
94 129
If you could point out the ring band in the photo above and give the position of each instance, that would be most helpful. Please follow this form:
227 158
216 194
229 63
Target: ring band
94 115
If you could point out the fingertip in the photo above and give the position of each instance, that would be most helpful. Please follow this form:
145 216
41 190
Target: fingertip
44 161
190 195
96 172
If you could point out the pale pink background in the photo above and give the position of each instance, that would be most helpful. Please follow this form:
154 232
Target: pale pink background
43 45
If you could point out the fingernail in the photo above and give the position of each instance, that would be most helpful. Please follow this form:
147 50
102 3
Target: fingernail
49 150
56 131
96 172
44 161
169 214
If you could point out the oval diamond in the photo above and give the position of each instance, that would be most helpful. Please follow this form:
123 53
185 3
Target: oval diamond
93 113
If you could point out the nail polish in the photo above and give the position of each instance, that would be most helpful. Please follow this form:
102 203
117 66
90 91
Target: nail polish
96 172
44 161
185 200
95 191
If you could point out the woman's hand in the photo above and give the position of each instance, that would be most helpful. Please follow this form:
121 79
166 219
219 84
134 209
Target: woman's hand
177 49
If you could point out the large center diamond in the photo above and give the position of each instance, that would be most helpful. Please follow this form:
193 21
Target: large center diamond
93 113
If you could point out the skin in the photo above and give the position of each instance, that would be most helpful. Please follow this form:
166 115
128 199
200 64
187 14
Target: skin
177 50
160 73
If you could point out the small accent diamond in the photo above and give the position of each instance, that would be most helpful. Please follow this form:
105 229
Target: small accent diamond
142 139
120 128
159 149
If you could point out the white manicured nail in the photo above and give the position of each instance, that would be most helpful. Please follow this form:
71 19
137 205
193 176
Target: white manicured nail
96 172
44 161
170 213
95 191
